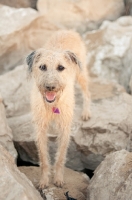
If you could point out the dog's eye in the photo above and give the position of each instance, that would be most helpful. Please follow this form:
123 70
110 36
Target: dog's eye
43 67
60 68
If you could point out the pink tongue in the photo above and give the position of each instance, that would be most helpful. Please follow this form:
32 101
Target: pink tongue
50 96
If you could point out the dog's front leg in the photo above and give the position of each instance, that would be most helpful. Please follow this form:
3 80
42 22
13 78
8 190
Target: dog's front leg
42 141
63 142
83 81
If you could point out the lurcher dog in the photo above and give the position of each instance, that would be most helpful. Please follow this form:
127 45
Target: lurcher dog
54 70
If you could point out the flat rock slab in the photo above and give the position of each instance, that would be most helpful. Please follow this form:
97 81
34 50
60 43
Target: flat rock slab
112 180
14 185
76 183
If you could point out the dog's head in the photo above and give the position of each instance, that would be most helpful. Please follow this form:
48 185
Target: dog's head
53 71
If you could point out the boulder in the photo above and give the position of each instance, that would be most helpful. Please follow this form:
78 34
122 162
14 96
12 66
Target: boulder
76 183
112 180
107 131
13 25
6 138
109 51
20 3
25 30
80 14
15 91
14 185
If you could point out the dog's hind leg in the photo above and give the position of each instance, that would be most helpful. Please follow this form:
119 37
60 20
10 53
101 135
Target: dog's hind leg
83 80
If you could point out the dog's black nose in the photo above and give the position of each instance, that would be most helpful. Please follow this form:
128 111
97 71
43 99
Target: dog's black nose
50 88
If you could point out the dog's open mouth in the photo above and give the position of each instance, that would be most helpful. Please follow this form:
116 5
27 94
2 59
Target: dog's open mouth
50 96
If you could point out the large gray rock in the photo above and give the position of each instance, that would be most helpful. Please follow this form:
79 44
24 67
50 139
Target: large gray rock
112 180
109 51
15 91
80 14
22 30
108 130
14 185
6 138
12 35
76 183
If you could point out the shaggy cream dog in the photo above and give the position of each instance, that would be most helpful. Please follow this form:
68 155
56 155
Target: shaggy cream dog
54 70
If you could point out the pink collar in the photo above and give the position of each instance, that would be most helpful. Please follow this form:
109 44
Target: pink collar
55 110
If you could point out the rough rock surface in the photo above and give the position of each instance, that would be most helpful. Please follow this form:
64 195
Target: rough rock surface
76 183
6 138
19 3
112 180
15 91
14 185
109 51
108 130
30 31
78 14
13 25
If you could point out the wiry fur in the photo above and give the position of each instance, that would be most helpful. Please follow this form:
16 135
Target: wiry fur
67 49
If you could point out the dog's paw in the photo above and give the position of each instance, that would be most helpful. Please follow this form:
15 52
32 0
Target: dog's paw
58 182
43 184
86 115
58 175
58 178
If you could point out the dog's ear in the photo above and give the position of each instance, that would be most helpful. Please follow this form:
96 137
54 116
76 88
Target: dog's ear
70 55
29 60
